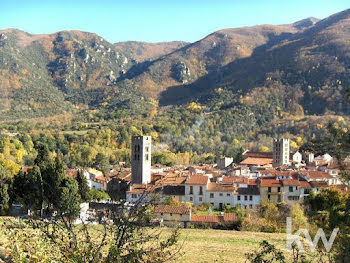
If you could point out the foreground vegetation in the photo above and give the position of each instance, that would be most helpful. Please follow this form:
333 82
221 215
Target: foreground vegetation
203 245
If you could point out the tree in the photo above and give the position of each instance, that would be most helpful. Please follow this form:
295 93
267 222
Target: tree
53 175
101 162
267 254
69 199
84 189
122 235
28 189
98 195
5 200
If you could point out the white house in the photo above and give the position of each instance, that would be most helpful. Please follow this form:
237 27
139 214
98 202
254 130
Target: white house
219 195
196 188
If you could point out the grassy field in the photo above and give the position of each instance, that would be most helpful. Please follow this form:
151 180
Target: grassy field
208 245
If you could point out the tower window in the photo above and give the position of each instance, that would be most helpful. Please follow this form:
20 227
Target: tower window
147 149
146 157
138 157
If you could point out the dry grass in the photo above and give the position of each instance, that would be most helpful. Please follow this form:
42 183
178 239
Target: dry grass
208 245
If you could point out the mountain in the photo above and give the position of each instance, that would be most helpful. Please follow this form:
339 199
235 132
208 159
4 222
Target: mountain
142 51
193 61
298 68
43 75
306 72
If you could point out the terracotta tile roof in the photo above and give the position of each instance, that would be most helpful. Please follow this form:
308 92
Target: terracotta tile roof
290 182
215 219
181 210
274 172
259 155
305 184
234 179
317 175
197 179
248 191
270 183
218 187
252 181
256 161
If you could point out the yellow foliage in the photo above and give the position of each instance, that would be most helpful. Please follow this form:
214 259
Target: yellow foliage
299 140
293 144
193 106
264 149
341 120
11 166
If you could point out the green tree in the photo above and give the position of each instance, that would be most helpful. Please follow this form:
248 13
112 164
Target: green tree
84 189
28 188
5 200
69 199
101 162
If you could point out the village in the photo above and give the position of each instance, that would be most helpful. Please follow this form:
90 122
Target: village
279 176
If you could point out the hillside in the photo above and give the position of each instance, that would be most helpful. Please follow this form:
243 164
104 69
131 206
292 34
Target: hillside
239 84
193 61
43 75
305 73
141 51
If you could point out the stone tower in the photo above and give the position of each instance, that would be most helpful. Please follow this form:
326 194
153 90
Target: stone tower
141 159
280 152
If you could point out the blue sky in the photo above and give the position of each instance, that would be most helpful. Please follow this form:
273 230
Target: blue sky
157 20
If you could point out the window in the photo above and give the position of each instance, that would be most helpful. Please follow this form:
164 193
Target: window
238 197
161 214
251 198
290 188
268 197
251 206
138 157
200 199
200 190
269 189
211 195
135 157
296 188
245 198
147 157
191 190
279 189
147 149
279 199
191 198
133 195
228 194
220 194
171 214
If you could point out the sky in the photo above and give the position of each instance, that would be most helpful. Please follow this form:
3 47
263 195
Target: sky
157 20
